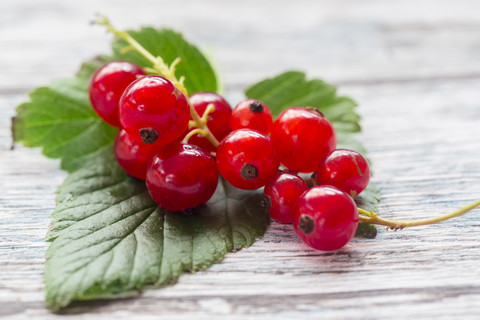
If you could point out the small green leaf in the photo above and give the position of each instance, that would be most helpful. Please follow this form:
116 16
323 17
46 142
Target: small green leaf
168 44
291 89
60 119
368 201
89 67
110 238
366 230
369 198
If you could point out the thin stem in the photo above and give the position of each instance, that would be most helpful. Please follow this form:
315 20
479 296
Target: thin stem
209 109
202 123
373 218
103 21
161 68
198 131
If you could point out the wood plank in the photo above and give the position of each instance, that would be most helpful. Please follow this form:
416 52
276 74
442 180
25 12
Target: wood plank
417 267
343 42
413 68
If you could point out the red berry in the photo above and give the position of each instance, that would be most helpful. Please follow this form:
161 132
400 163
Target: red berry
182 176
345 169
325 218
132 154
302 138
218 122
280 195
107 86
247 159
252 114
154 109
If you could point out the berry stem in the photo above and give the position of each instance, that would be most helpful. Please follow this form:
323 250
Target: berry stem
198 131
373 218
161 68
201 124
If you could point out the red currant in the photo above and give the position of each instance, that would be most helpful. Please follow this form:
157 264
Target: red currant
247 159
252 114
218 122
107 86
280 195
345 169
154 109
303 138
325 218
182 176
132 154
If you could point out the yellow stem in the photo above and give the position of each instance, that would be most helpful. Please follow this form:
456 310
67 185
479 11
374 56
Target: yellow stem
161 68
198 131
373 218
202 123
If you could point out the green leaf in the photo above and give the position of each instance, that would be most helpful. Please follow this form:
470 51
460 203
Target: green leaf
60 119
89 67
168 44
292 89
368 200
366 230
110 238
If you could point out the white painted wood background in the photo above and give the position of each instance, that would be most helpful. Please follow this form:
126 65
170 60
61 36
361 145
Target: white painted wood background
414 67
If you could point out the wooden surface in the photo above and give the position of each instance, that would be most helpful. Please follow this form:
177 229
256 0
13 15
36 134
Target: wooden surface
414 68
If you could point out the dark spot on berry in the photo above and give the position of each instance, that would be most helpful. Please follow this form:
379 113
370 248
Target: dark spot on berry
315 110
266 202
249 171
256 106
148 135
306 224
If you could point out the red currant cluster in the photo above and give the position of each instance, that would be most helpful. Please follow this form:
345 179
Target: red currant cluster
168 140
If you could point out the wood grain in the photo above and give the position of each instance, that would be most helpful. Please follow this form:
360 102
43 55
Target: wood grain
414 68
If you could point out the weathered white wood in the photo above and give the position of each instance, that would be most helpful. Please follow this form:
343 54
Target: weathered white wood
414 68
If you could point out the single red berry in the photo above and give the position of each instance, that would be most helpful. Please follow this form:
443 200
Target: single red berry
303 138
252 114
107 86
154 109
280 195
247 159
325 218
182 176
345 169
132 154
218 121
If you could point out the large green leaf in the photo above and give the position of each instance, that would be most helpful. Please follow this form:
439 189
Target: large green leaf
110 238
